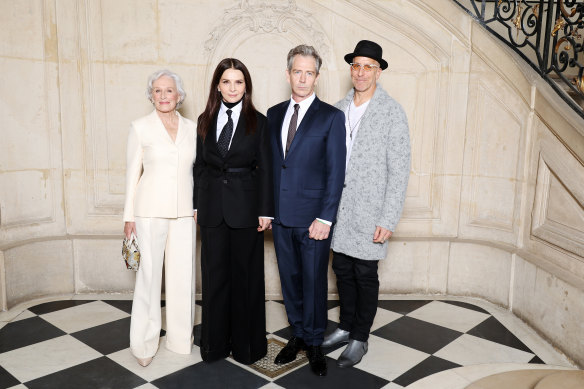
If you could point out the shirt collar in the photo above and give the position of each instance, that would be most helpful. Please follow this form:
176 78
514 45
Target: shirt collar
235 110
304 104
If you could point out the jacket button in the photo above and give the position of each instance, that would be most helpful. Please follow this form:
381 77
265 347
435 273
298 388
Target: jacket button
344 185
225 181
283 166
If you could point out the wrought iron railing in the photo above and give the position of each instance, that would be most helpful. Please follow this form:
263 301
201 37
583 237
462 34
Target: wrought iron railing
546 33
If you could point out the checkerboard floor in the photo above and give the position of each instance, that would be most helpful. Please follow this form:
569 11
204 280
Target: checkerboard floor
85 344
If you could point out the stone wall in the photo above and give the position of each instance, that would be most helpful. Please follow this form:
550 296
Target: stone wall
495 202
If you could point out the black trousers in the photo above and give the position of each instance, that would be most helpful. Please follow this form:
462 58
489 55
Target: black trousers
234 314
358 286
302 264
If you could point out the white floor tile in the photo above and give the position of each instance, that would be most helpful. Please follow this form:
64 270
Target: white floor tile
333 314
383 317
392 385
40 359
276 318
84 316
24 315
271 385
147 386
198 314
449 316
470 350
165 362
21 386
386 359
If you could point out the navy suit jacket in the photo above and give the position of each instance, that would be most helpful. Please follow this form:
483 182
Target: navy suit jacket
308 181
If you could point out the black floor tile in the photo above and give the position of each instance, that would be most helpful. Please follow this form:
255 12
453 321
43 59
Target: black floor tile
197 334
220 374
53 306
100 373
417 334
123 305
6 379
466 305
402 306
336 378
537 360
107 338
491 329
425 368
330 304
25 332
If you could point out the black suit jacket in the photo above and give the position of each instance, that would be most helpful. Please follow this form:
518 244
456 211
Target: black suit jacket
240 197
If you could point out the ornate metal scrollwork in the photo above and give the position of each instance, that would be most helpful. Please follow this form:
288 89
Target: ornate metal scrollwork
546 33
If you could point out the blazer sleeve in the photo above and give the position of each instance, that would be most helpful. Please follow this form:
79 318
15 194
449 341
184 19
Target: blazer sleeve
198 167
265 169
336 153
134 153
398 169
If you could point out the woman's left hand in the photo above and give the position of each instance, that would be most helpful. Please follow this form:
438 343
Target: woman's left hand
264 223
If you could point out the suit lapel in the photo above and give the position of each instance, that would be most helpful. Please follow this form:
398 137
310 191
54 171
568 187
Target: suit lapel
278 130
305 124
182 130
238 135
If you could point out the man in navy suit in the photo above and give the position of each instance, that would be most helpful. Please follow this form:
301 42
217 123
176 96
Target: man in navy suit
308 148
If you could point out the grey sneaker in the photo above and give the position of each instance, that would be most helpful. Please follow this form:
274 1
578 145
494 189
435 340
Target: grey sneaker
336 337
352 354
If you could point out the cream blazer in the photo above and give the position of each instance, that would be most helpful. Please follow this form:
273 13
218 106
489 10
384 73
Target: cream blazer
159 172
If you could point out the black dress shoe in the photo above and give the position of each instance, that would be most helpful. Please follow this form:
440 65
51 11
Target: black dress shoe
316 360
288 353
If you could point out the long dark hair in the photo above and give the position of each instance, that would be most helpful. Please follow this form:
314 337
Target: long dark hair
214 101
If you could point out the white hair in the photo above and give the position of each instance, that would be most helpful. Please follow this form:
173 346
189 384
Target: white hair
177 80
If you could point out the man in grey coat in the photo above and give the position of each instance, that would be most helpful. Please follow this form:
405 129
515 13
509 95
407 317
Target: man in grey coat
376 179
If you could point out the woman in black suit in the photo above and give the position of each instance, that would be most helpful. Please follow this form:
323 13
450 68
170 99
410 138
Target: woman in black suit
233 199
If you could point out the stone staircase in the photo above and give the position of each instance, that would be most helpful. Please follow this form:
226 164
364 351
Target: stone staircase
532 379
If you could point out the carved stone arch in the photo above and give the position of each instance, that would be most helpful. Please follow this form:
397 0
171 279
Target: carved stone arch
265 29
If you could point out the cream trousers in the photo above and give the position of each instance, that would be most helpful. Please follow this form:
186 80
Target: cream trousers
172 242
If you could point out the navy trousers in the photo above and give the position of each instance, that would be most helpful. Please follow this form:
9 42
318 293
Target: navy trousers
303 264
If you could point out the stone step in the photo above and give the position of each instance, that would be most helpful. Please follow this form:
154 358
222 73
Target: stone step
563 380
516 379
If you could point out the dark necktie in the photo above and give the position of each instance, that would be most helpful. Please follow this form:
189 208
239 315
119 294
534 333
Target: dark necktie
292 127
225 137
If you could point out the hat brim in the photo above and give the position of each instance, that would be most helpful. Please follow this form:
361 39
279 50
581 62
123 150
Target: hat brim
382 63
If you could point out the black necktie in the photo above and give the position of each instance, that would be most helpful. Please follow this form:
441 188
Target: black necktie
225 137
292 127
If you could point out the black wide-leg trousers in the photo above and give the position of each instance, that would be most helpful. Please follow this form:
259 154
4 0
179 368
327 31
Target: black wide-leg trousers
358 287
232 272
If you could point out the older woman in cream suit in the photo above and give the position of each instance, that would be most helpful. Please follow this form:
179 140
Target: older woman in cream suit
159 210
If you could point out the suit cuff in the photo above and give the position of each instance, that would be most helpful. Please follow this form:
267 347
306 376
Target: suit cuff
325 222
267 217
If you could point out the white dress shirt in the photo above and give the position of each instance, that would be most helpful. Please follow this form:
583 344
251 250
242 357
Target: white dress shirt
304 105
222 119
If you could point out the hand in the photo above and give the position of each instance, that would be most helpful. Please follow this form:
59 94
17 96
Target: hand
381 235
195 217
318 230
264 223
129 228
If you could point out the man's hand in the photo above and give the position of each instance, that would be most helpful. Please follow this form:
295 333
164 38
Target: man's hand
264 223
129 228
318 230
381 235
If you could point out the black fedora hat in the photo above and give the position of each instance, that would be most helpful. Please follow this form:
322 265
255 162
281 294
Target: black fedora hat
367 49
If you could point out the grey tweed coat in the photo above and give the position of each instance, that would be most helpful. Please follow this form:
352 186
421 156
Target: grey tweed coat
376 178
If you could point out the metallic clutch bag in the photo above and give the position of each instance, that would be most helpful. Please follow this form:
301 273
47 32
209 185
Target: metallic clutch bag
131 253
